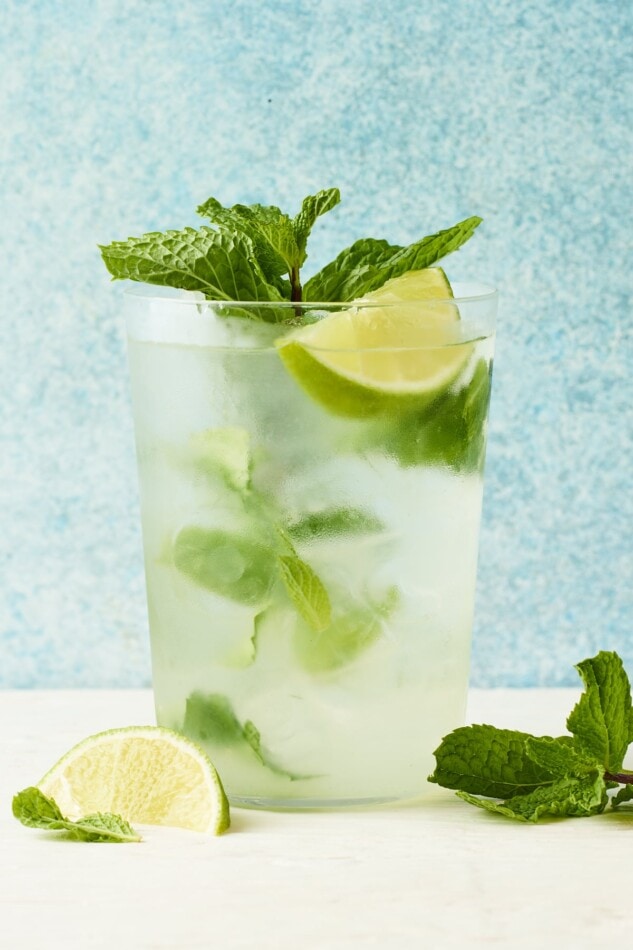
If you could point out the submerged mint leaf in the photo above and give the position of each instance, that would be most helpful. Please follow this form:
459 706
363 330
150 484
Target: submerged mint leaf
452 433
348 635
313 207
334 523
370 263
306 590
219 264
602 720
36 810
226 452
209 717
484 760
227 563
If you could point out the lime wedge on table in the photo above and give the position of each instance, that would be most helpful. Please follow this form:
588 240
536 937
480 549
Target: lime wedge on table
394 349
143 773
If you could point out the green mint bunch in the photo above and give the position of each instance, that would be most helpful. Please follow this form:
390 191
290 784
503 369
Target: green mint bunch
255 253
527 777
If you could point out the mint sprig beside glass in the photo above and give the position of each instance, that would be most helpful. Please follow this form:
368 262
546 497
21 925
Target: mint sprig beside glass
526 777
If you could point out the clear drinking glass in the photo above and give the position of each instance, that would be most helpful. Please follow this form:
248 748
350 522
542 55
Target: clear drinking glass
258 494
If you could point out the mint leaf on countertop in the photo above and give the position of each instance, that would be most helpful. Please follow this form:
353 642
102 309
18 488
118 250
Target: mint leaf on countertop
568 776
36 810
568 797
602 720
488 761
369 263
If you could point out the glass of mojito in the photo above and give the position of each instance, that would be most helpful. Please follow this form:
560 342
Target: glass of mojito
311 485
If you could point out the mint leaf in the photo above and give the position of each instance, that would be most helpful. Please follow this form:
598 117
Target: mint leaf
312 208
348 635
226 563
561 756
219 264
624 794
36 810
484 760
602 720
333 523
452 433
226 452
567 776
210 718
270 232
570 796
306 591
102 827
369 263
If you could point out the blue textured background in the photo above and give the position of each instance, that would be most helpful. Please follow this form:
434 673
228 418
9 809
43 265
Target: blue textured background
120 116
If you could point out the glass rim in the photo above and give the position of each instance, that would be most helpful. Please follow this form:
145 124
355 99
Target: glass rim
486 293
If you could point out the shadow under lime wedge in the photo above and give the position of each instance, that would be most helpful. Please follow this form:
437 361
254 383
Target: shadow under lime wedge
145 774
392 350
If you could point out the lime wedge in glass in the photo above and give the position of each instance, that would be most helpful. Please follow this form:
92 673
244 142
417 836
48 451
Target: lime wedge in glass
146 774
392 350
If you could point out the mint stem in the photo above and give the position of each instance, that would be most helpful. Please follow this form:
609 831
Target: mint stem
624 778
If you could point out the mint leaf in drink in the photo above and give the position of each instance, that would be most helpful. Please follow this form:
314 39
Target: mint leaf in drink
313 207
569 776
602 720
451 433
370 263
226 563
219 264
334 523
226 452
210 717
306 590
350 633
36 810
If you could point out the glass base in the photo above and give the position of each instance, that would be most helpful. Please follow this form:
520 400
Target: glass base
318 804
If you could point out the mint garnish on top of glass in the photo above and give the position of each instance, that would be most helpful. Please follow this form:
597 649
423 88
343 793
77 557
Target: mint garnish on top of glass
256 252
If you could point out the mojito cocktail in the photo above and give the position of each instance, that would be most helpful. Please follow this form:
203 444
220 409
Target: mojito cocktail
311 460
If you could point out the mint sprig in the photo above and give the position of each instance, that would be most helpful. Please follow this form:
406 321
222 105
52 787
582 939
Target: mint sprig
36 810
568 776
368 263
256 252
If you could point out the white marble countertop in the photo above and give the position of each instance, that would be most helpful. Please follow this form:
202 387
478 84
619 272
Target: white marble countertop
425 876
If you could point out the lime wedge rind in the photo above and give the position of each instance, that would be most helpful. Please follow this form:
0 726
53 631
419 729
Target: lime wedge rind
148 774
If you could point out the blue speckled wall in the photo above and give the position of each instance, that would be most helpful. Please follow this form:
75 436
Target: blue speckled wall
120 116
